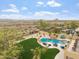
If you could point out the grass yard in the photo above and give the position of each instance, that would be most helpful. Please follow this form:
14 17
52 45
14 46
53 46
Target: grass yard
32 44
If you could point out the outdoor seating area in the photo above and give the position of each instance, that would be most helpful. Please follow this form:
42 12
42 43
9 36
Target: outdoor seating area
53 40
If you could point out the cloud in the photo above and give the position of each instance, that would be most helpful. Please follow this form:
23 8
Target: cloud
45 13
12 9
40 3
12 6
53 3
36 15
24 8
13 16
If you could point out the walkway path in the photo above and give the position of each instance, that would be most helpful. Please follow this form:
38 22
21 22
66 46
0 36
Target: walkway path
60 55
29 36
32 36
71 45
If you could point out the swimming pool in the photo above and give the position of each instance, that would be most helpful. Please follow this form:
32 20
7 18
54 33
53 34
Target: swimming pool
54 41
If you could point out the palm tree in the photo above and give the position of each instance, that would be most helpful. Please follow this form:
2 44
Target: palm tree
36 53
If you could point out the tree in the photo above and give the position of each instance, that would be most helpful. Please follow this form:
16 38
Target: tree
36 53
8 48
46 26
71 25
43 25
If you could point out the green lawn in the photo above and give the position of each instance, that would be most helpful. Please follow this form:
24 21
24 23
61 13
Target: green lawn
32 44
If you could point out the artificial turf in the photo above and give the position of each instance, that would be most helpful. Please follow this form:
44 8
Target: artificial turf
32 44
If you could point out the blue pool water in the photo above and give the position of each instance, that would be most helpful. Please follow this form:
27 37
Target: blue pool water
54 41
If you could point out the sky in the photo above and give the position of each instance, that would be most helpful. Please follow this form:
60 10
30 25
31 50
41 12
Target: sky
39 9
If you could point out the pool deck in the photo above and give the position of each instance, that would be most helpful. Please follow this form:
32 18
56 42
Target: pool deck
59 55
